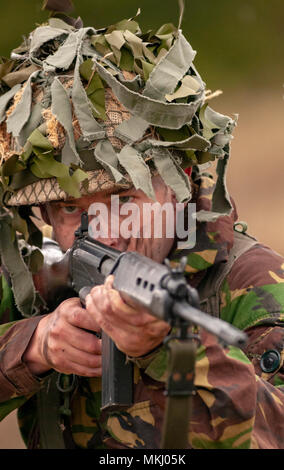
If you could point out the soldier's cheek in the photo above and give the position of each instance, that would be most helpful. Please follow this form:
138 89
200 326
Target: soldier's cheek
64 234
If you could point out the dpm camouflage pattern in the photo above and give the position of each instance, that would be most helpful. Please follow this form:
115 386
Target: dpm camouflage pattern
239 403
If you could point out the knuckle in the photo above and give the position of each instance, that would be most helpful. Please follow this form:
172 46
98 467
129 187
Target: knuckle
92 345
93 362
56 330
53 349
75 316
67 304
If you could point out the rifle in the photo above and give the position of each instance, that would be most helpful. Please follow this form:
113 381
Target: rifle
140 281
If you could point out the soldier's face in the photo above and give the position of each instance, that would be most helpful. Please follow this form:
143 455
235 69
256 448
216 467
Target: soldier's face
122 220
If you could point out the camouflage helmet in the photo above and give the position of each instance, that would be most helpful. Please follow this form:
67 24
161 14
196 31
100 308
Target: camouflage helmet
83 109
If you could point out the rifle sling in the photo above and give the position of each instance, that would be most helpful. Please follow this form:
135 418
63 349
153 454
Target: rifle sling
54 431
179 394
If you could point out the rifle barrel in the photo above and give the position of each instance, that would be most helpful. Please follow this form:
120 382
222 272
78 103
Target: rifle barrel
223 330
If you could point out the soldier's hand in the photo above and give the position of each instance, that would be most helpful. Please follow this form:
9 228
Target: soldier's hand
134 331
61 342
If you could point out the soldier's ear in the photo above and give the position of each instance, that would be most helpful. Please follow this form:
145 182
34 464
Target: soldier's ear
44 214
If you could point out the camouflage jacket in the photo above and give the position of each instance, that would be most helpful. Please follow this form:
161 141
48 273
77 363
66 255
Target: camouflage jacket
239 400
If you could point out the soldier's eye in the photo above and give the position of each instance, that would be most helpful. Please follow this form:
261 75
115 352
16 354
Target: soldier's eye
124 199
70 209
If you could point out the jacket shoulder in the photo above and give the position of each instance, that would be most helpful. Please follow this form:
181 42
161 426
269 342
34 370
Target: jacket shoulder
253 291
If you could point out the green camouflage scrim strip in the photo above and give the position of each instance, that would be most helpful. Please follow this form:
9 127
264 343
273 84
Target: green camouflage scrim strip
156 113
24 295
4 100
61 108
8 311
20 115
106 155
170 70
137 169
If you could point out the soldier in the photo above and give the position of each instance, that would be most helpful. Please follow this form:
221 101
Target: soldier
87 114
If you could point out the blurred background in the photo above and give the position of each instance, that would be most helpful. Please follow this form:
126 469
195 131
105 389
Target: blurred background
239 48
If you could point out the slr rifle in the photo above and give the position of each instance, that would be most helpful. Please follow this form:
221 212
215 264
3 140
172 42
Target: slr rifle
140 281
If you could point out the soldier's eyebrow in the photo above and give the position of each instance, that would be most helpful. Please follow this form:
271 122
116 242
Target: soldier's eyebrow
67 202
117 191
74 202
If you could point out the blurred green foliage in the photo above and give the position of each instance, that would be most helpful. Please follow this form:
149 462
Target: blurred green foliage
239 43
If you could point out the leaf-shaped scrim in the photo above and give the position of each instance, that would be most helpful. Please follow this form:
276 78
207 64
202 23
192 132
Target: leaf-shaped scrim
126 24
135 44
19 224
21 278
71 183
217 128
107 157
21 113
32 123
137 169
172 174
4 101
115 40
101 45
189 86
19 76
43 163
170 70
147 69
65 55
95 93
132 130
69 52
42 35
12 165
221 204
61 109
38 140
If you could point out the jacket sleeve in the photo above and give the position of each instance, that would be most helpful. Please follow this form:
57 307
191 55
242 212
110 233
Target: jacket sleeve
16 381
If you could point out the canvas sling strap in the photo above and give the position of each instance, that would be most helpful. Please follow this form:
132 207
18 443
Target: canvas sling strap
55 432
180 387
